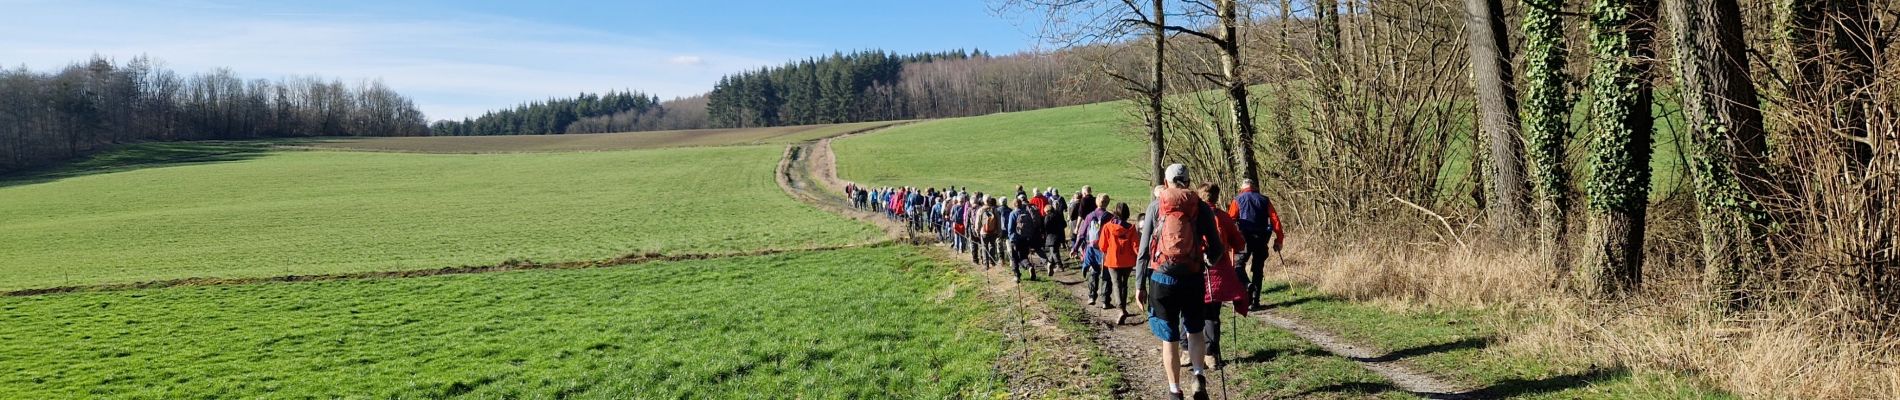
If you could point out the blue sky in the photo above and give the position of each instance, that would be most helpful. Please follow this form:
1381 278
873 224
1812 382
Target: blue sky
459 58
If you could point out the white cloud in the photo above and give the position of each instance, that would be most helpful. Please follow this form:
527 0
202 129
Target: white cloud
452 67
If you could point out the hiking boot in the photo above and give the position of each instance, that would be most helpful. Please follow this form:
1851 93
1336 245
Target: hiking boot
1200 386
1106 306
1091 302
1176 396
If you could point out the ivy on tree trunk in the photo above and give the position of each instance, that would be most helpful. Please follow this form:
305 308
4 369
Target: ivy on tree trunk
1621 126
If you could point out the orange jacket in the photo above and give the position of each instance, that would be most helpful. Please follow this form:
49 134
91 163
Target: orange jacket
1118 242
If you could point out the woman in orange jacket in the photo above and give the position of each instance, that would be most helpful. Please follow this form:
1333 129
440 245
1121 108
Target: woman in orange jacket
1118 242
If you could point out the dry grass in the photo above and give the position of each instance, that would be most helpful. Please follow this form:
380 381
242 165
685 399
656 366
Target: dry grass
1780 352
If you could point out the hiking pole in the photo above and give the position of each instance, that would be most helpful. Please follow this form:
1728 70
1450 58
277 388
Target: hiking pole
1220 337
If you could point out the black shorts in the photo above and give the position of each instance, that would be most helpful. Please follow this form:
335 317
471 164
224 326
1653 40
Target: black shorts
1176 302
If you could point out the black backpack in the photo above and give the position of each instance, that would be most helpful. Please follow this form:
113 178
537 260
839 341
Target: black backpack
1027 226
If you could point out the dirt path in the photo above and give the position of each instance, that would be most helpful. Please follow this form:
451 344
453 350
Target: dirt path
811 166
809 173
1044 362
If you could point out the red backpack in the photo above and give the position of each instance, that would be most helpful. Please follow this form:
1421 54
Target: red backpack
1175 239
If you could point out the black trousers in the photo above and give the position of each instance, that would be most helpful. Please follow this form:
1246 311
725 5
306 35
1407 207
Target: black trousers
1255 260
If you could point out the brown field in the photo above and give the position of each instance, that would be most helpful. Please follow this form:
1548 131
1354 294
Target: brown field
598 141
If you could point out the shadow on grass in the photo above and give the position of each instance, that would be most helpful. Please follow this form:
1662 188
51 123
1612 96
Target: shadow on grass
1361 388
1267 355
1268 304
141 156
1525 387
1467 343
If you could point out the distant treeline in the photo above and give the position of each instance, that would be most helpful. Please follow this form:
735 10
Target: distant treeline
614 111
871 85
877 85
51 116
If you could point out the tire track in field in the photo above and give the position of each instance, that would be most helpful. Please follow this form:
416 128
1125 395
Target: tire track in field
1134 347
505 266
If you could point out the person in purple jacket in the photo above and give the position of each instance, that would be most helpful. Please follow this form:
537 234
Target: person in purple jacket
1087 234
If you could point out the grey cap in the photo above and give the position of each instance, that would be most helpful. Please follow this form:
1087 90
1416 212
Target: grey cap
1177 173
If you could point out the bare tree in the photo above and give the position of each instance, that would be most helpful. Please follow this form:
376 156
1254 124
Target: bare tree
1508 202
1158 21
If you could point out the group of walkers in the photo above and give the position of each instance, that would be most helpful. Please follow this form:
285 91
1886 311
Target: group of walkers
1191 257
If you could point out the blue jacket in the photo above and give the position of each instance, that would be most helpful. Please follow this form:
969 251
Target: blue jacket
1251 212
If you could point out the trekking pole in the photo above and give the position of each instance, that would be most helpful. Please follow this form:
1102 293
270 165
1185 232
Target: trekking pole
1220 337
1022 321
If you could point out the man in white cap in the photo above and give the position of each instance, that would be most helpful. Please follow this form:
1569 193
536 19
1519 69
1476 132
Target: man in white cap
1177 232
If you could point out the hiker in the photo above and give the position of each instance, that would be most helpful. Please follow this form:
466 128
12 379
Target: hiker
1171 261
1005 245
979 226
1055 200
1025 234
1085 204
992 231
970 223
1223 282
914 208
1087 247
1258 221
1055 228
956 216
1116 249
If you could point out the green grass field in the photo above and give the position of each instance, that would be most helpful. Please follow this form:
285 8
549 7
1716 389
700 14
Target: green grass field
1067 147
310 212
596 141
880 322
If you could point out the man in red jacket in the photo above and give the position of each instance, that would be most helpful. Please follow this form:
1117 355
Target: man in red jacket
1258 222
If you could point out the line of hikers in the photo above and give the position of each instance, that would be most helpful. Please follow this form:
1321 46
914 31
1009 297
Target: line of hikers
1185 249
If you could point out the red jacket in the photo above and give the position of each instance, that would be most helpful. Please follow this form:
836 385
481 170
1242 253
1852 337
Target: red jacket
1273 216
1223 282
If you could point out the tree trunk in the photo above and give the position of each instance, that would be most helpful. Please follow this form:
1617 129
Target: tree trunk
1728 143
1622 124
1547 125
1244 128
1508 199
1832 43
1156 145
1329 83
1293 163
